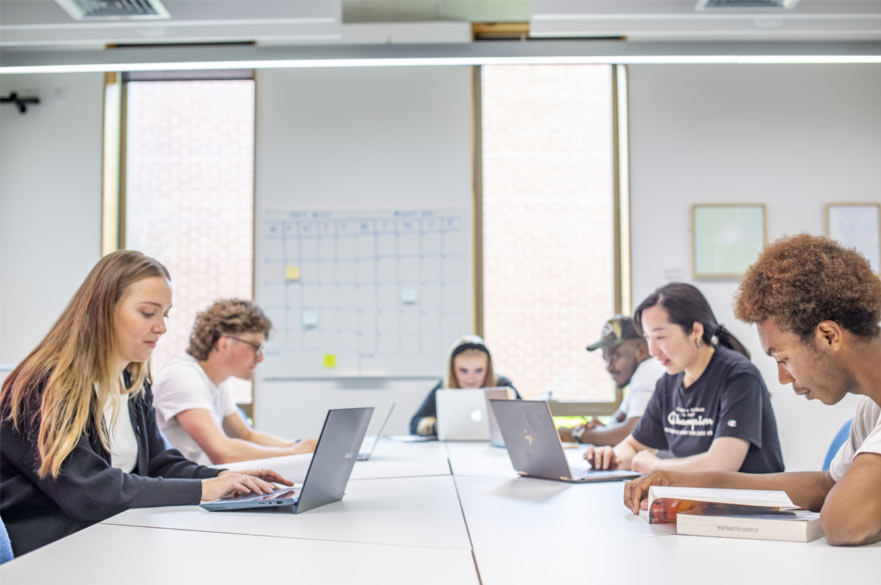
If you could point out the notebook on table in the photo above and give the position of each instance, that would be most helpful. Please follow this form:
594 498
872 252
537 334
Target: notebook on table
534 445
464 415
328 473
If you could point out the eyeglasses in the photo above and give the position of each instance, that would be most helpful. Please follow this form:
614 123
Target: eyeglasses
257 347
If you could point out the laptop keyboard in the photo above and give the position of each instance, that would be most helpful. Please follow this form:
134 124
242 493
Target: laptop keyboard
581 473
279 493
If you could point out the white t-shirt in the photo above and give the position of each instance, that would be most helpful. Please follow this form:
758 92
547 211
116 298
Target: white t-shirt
640 388
183 385
865 437
123 443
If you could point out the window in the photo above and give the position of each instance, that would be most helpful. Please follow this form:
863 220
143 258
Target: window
189 193
548 229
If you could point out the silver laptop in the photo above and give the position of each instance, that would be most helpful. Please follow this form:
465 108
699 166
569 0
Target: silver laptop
464 415
366 455
534 445
328 473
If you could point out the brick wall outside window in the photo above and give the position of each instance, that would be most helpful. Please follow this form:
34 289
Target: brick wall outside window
189 194
548 225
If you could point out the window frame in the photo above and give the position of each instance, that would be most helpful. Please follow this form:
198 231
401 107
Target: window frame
113 196
622 293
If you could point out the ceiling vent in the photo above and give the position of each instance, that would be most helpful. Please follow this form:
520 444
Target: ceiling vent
114 9
745 4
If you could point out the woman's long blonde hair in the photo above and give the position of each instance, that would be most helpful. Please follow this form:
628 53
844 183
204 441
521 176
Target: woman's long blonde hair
77 352
466 345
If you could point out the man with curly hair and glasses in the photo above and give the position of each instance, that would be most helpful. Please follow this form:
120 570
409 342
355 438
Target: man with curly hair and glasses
817 307
193 404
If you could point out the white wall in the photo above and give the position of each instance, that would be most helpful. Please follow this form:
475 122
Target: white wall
50 202
793 137
375 138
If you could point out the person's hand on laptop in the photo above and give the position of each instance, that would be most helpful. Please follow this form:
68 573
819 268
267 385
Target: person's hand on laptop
602 457
235 483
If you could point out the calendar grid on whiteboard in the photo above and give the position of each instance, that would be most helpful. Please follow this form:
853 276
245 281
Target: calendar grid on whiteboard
378 291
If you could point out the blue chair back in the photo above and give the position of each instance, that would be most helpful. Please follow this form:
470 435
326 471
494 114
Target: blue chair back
248 420
5 545
837 442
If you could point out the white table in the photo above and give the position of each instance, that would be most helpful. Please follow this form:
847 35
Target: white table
411 511
392 458
113 555
395 458
526 530
482 524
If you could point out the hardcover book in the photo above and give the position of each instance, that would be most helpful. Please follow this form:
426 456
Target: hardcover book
795 525
665 503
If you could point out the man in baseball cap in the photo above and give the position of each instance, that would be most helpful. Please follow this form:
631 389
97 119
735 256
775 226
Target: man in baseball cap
629 363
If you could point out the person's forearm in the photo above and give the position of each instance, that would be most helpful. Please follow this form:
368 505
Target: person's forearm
725 454
693 463
851 513
270 440
238 450
806 489
625 452
611 435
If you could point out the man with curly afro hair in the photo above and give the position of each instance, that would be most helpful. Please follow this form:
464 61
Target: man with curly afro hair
817 307
194 407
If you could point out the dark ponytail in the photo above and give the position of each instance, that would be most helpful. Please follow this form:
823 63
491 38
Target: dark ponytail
685 305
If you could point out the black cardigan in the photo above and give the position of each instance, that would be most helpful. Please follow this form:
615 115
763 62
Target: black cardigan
429 407
37 510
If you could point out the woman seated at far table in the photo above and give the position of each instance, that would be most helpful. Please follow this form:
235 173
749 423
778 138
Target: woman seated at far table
711 409
469 365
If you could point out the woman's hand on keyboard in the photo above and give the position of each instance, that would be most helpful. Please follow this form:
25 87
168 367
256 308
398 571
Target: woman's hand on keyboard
235 483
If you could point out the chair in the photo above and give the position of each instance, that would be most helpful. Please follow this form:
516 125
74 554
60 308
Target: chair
5 545
248 420
837 442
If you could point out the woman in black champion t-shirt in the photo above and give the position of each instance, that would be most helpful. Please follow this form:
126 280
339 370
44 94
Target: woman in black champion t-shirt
711 409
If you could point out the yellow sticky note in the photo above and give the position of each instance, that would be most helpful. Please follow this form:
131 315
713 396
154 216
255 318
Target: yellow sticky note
292 273
329 360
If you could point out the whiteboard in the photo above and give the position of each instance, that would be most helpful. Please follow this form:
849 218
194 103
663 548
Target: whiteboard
379 292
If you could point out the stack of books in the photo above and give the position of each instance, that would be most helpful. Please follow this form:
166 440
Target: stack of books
731 513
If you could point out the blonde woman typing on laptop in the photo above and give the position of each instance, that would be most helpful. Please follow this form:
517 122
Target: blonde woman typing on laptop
78 435
194 405
710 409
469 365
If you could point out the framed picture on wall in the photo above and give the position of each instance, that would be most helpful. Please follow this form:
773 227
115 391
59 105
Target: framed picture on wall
726 238
857 225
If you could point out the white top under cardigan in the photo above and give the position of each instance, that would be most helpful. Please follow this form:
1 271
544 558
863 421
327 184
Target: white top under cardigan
123 443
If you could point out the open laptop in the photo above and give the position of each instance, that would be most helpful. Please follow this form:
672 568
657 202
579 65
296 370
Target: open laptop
464 415
366 455
495 432
328 473
534 446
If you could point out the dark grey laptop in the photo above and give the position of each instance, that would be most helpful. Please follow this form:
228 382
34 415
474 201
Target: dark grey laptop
534 446
328 473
